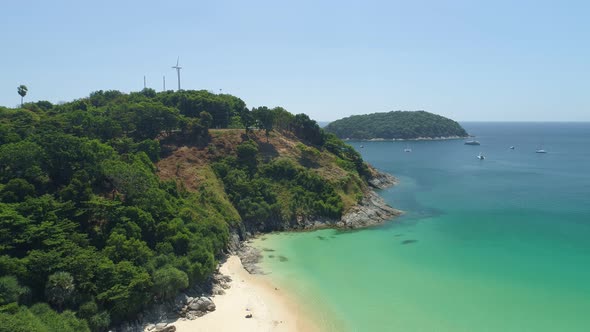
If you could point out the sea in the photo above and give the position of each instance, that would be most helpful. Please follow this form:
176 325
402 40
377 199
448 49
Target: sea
500 244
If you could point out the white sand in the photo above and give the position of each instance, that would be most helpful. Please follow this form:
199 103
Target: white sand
271 309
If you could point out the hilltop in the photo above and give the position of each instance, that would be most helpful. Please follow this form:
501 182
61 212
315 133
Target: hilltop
396 125
116 202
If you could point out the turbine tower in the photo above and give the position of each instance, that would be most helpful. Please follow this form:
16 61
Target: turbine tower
178 68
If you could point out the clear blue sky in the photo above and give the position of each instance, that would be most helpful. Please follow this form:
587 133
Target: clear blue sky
468 60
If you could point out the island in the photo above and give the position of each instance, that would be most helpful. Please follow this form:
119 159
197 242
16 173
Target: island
116 209
397 125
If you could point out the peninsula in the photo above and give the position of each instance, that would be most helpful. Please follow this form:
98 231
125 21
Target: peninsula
117 208
399 125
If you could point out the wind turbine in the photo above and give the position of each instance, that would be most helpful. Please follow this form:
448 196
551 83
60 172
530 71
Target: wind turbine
178 68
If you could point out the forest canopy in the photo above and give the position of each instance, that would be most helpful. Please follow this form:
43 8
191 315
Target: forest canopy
396 125
91 234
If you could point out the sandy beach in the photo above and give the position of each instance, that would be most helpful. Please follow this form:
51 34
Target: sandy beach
271 308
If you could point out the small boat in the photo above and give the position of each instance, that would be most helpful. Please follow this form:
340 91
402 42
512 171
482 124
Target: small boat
540 151
472 142
407 150
512 147
362 146
480 156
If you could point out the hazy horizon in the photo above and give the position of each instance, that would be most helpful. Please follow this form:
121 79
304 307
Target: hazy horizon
499 61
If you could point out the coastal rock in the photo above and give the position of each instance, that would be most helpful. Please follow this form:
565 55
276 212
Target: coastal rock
181 299
381 180
202 304
371 211
160 326
150 327
170 328
234 243
218 290
194 314
250 256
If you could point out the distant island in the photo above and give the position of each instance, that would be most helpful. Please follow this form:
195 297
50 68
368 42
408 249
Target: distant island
396 125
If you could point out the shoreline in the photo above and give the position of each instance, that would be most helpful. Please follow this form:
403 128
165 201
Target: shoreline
239 283
379 139
271 308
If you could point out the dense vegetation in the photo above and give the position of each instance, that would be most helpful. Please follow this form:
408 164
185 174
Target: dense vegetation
396 125
90 233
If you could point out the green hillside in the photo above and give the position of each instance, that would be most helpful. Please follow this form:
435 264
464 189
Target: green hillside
396 125
116 201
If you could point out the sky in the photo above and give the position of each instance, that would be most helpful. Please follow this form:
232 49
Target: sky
468 60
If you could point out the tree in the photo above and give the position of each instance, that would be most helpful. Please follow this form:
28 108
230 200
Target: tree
10 290
59 289
265 118
22 91
247 153
206 119
247 119
168 281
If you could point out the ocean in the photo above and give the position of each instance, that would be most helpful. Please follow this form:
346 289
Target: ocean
501 244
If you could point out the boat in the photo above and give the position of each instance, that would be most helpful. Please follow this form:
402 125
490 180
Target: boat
541 149
512 147
362 146
472 142
407 149
480 156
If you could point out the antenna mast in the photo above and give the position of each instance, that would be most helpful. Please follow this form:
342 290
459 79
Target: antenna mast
144 86
164 82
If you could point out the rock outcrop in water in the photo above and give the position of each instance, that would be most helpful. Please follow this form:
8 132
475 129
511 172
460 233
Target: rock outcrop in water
371 211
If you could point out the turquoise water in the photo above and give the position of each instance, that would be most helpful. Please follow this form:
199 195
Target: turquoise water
496 245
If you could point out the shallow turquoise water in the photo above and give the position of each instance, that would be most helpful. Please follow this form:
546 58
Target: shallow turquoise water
496 245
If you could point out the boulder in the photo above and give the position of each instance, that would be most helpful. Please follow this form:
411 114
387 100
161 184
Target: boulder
192 315
202 304
180 300
170 328
218 290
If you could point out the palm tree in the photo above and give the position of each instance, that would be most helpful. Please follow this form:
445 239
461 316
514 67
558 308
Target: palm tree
22 91
59 289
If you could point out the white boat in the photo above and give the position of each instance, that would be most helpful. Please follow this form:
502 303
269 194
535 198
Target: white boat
541 151
472 142
407 149
480 156
512 147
